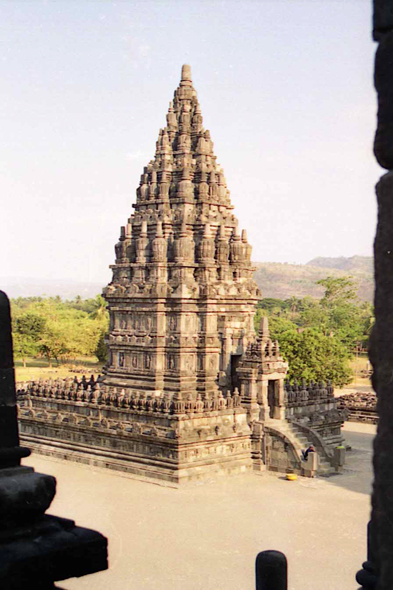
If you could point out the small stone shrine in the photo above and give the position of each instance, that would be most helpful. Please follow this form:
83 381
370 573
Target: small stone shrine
189 389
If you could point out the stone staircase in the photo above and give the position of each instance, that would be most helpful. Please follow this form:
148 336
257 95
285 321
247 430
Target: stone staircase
324 464
300 441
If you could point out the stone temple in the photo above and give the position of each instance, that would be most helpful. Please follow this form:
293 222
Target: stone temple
189 389
182 299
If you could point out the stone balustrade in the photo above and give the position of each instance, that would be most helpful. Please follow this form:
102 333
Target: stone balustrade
313 401
91 392
302 393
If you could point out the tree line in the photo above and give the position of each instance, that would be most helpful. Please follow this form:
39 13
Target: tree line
319 337
59 330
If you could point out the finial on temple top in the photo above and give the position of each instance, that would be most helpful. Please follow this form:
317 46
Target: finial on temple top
264 328
186 73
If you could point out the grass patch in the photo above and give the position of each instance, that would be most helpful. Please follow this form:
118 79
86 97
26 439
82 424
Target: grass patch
359 365
39 369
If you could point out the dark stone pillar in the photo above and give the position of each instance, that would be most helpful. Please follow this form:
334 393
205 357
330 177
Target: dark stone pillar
378 570
10 451
271 571
35 549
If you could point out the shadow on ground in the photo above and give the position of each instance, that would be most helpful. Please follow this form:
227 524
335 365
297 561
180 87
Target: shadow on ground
358 471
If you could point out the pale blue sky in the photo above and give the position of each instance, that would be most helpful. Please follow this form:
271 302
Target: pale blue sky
285 88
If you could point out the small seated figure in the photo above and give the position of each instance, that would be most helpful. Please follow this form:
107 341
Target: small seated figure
305 453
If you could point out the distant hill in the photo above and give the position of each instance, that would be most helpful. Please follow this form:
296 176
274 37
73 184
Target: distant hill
282 280
355 263
279 280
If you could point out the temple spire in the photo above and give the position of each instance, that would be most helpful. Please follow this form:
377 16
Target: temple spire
186 73
264 328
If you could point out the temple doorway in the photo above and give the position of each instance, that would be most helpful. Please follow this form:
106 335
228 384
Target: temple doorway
235 360
271 397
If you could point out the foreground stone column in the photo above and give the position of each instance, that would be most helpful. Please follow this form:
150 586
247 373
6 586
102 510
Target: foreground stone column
35 549
378 570
271 571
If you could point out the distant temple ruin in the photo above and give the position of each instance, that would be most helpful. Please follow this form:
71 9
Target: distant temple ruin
189 389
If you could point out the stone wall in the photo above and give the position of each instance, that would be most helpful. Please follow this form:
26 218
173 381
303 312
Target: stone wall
172 439
280 454
161 437
304 399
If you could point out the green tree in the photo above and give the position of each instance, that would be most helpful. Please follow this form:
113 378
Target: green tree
30 323
53 343
24 346
338 313
277 326
313 355
99 311
368 319
58 329
313 315
83 337
318 337
28 328
293 304
270 304
337 290
100 314
101 350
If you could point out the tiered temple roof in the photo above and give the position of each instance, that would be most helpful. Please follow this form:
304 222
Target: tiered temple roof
183 213
179 256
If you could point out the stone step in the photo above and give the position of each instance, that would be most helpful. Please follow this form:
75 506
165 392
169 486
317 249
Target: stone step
324 466
301 438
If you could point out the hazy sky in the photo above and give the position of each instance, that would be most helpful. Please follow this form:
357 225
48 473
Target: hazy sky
285 88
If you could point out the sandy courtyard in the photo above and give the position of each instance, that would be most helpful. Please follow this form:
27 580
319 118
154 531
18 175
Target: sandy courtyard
207 536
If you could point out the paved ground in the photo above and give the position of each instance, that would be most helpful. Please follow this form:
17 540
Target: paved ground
206 536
